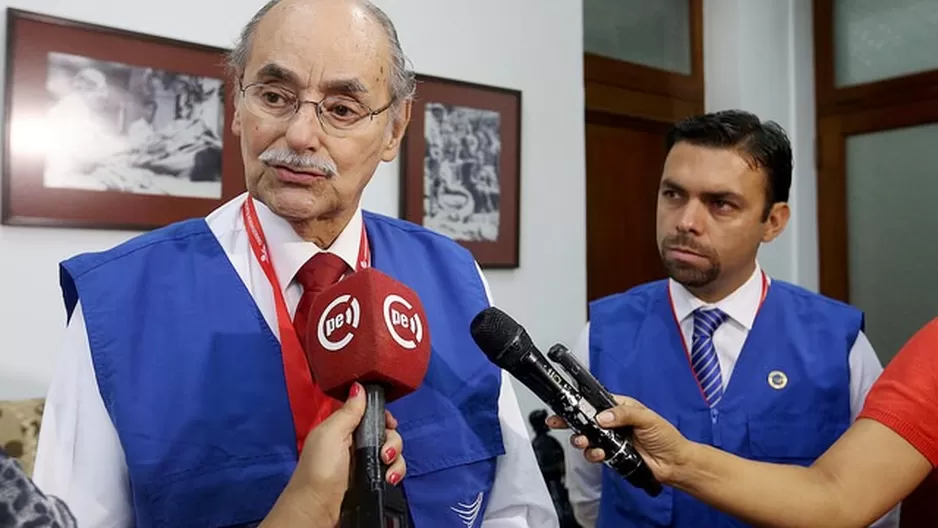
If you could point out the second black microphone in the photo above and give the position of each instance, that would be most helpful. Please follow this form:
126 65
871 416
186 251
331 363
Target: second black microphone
508 345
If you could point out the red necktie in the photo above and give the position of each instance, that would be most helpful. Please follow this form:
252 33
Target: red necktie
319 272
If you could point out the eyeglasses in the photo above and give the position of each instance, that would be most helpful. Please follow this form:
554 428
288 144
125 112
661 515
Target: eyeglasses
338 114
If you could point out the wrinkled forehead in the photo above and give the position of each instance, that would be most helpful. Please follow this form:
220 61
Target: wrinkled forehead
313 44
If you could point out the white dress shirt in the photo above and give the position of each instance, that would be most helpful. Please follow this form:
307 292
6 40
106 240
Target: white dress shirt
80 458
584 479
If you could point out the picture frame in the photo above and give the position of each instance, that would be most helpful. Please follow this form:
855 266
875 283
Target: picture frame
110 129
461 166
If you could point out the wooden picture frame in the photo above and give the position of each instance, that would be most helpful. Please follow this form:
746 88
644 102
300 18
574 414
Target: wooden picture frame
110 129
609 77
461 174
831 99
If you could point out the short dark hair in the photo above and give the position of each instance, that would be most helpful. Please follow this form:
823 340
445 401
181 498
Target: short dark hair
765 144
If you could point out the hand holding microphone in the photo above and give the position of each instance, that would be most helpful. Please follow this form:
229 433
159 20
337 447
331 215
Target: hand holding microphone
659 443
507 345
314 495
369 329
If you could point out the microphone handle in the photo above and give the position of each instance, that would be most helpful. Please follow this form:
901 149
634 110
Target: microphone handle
370 501
369 437
363 506
536 373
594 392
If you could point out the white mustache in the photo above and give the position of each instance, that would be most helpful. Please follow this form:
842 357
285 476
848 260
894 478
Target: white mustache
298 161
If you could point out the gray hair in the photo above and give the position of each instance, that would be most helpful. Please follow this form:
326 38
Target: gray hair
402 82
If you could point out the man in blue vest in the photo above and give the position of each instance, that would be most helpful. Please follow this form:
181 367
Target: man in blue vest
757 367
313 497
183 394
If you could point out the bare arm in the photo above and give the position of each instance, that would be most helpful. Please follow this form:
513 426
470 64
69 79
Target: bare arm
881 458
864 474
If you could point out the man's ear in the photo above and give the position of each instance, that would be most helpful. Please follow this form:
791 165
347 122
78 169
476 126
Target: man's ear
236 120
776 221
398 126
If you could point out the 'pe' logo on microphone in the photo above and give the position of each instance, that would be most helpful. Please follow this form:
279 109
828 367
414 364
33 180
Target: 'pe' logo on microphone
397 320
333 323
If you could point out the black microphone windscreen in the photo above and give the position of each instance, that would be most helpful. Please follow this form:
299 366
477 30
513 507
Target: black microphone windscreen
497 333
508 345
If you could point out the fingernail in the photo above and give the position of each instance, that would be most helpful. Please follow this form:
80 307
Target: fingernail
390 454
354 390
604 417
394 479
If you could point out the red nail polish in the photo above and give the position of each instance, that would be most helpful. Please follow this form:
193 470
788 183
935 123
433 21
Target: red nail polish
394 479
389 454
354 390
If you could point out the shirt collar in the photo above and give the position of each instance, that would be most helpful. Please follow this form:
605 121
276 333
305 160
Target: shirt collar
289 252
741 305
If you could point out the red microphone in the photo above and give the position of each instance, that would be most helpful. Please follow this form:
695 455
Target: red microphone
370 329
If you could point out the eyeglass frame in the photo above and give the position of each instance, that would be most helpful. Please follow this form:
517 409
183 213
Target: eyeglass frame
299 102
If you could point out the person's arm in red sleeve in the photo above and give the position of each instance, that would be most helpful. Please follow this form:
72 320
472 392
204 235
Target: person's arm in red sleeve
883 456
905 397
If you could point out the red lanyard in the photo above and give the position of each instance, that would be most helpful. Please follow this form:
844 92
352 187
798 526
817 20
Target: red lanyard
765 290
300 387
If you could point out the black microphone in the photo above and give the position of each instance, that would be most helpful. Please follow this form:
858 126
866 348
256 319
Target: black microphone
508 345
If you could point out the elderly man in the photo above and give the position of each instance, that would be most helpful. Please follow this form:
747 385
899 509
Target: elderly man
184 393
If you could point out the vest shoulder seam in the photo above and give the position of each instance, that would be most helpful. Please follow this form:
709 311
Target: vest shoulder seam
410 227
137 244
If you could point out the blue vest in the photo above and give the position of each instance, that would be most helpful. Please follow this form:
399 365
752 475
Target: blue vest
636 349
192 377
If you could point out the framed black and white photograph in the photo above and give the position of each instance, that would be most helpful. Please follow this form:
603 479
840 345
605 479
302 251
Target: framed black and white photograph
460 171
111 129
124 128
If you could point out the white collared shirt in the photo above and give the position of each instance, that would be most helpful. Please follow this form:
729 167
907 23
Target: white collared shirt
81 460
584 480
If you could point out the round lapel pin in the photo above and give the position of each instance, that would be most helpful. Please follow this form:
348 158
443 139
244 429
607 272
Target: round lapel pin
777 379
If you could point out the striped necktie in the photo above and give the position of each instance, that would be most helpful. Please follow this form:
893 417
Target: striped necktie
703 357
